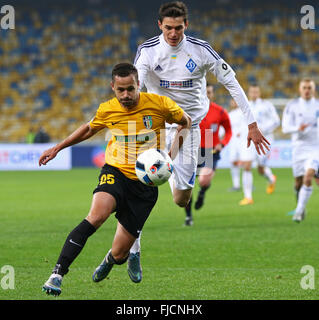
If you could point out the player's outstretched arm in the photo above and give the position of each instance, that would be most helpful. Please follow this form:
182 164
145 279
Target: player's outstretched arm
82 133
255 135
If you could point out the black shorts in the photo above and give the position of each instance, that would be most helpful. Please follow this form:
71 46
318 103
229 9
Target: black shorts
134 200
208 159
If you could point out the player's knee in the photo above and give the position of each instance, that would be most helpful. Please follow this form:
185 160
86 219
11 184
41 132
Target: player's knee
96 220
307 181
181 202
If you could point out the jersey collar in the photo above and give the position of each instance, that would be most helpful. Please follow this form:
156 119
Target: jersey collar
167 46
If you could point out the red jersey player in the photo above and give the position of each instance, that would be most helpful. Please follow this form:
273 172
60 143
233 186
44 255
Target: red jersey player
211 145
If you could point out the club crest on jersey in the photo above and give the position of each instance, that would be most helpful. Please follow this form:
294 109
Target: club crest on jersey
191 65
148 122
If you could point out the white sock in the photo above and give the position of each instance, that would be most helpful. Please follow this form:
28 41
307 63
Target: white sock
235 175
269 175
136 247
304 195
248 184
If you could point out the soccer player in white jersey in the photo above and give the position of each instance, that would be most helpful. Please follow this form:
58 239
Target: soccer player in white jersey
268 120
240 156
301 120
175 65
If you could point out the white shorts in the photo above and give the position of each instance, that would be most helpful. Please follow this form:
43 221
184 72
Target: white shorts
239 152
302 161
185 163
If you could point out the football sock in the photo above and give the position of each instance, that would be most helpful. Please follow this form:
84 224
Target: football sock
235 175
188 208
269 175
73 245
202 191
247 184
304 195
136 247
297 193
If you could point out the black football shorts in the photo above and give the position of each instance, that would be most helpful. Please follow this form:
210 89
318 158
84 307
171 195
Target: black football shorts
134 200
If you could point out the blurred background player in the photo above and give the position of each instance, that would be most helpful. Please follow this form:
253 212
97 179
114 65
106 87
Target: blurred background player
268 120
311 173
175 65
240 156
210 147
300 119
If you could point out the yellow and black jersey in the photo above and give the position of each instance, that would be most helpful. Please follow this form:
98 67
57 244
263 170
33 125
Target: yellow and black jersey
136 129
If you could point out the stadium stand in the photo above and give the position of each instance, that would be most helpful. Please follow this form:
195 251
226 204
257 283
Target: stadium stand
55 66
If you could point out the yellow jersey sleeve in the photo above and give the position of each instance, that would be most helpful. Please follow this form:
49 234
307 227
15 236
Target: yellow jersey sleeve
98 120
172 111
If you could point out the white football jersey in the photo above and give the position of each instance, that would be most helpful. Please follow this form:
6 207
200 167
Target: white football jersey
266 116
180 73
300 111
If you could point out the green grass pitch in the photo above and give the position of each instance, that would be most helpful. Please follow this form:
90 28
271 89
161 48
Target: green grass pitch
231 252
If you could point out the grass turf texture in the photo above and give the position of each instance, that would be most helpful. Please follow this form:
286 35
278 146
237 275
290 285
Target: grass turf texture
231 252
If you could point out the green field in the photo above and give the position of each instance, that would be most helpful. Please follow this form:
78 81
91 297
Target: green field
231 252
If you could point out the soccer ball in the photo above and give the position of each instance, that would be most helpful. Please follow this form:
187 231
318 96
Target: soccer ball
153 167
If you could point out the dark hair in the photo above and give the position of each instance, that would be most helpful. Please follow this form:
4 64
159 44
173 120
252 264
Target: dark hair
124 70
173 9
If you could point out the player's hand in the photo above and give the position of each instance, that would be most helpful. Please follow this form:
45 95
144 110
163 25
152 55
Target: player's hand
218 147
260 142
48 155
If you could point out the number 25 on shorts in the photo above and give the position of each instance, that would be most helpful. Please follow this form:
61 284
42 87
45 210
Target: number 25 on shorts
107 178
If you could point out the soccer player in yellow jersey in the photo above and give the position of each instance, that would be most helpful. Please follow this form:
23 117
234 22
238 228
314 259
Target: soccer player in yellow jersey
135 120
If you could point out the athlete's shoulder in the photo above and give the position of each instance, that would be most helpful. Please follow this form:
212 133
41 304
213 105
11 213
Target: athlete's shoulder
217 107
200 44
108 105
152 42
293 103
145 46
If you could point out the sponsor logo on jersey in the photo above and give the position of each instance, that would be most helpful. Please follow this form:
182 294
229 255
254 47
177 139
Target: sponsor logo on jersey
191 65
148 122
176 84
136 138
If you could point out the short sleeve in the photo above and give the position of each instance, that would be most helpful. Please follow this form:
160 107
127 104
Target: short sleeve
173 112
98 120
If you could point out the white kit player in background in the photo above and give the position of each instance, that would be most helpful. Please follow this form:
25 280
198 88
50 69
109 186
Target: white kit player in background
301 120
239 155
175 65
268 120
